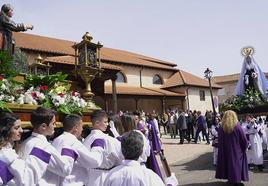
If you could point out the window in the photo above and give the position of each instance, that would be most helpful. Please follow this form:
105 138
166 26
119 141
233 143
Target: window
202 95
120 77
157 80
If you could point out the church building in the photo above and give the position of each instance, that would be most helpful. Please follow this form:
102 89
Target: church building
129 81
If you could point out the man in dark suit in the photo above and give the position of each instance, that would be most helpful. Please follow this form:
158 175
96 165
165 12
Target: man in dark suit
182 126
201 126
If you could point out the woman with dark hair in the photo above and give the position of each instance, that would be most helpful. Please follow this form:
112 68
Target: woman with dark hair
15 171
116 125
129 124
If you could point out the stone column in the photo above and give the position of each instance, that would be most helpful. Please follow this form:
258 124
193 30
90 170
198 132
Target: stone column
114 95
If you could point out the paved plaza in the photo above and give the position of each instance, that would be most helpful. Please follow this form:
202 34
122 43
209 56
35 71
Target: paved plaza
192 164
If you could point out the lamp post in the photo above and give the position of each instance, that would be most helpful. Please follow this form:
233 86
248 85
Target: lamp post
208 75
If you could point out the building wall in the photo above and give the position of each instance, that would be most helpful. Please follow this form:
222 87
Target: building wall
150 104
193 102
228 89
133 76
147 104
196 104
174 103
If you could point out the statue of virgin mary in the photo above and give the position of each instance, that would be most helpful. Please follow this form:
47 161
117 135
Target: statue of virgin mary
251 76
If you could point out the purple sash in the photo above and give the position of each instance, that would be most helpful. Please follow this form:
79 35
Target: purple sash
41 154
5 174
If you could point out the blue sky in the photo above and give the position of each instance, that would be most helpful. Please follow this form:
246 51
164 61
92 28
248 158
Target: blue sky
194 34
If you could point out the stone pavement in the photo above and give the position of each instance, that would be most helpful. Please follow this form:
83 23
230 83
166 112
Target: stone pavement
192 164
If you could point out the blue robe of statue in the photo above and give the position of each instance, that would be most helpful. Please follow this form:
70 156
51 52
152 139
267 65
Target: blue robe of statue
251 76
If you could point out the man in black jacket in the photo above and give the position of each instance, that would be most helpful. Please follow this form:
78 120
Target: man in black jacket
182 126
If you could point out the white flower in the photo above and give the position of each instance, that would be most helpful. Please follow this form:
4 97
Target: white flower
20 100
82 103
40 95
29 99
3 86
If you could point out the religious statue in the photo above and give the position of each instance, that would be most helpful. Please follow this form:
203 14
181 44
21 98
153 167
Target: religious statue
7 26
251 76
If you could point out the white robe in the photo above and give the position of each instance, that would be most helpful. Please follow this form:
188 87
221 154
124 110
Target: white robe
264 135
58 165
131 173
113 157
146 151
19 172
214 133
255 152
85 159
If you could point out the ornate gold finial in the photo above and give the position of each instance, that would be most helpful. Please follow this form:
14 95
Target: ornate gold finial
39 59
247 51
87 37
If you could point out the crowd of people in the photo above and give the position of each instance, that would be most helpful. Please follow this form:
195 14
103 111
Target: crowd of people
124 156
238 145
121 149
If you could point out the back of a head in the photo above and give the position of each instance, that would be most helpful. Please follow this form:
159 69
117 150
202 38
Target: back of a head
128 122
70 121
118 124
98 115
229 121
41 115
132 145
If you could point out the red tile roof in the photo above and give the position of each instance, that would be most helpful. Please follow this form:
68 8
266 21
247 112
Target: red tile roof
228 78
64 47
182 78
129 90
70 60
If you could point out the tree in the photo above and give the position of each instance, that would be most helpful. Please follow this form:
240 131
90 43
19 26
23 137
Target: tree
20 62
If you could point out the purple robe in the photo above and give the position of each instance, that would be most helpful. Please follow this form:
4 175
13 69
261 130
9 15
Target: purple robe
153 137
155 147
232 159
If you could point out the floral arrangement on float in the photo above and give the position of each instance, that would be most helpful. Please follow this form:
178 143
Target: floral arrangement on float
249 100
51 91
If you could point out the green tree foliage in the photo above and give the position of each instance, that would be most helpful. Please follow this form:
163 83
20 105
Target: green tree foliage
6 68
20 62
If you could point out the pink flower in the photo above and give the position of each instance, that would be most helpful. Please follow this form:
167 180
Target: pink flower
34 95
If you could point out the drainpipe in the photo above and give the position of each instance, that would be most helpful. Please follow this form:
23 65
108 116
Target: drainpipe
141 76
187 94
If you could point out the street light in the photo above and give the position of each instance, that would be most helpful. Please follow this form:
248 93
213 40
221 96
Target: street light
208 75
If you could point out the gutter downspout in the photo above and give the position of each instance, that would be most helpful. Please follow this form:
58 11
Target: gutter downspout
187 94
141 77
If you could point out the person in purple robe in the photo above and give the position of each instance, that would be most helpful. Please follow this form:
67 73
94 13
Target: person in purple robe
232 159
155 147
